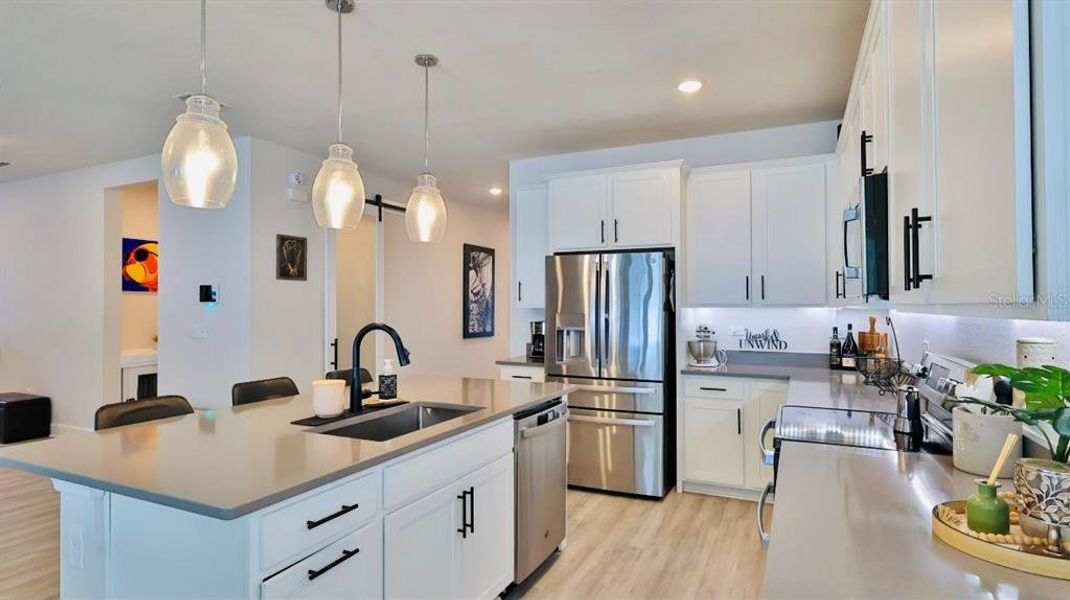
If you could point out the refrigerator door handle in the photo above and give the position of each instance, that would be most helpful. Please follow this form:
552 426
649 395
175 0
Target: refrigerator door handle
606 318
618 389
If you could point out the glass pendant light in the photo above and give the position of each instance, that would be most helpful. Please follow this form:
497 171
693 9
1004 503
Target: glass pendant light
425 214
198 163
338 191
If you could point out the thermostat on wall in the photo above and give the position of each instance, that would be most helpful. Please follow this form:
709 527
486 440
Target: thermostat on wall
209 293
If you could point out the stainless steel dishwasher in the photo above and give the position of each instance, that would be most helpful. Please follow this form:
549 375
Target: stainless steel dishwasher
540 437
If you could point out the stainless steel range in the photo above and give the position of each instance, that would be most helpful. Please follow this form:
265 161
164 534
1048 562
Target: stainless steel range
922 422
610 330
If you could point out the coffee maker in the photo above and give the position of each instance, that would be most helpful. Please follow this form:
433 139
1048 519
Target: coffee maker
537 345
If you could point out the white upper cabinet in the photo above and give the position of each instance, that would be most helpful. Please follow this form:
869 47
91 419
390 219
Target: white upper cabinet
644 204
633 207
530 247
718 219
788 234
983 220
578 210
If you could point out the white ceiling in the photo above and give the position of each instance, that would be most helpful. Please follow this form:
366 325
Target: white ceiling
88 82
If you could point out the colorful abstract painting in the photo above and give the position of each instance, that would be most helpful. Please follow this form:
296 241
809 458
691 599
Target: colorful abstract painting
478 291
141 265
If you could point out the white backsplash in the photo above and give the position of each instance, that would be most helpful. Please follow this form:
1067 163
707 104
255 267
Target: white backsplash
808 330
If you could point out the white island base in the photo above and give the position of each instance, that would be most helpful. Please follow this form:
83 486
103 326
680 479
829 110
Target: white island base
434 523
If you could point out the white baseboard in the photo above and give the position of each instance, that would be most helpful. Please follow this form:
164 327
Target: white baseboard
725 491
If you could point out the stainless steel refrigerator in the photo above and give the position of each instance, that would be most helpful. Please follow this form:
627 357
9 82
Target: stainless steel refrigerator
610 329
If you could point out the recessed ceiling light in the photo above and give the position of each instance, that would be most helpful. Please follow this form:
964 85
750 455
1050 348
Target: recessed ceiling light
495 191
689 86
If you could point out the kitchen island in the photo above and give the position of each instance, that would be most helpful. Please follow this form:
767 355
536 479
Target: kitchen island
239 502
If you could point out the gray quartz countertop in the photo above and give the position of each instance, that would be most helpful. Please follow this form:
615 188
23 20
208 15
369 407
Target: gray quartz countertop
855 523
228 462
520 361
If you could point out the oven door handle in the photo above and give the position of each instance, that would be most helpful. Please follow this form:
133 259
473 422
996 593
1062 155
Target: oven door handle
611 421
763 533
768 455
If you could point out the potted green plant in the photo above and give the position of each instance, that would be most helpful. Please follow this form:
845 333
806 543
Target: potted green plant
1043 485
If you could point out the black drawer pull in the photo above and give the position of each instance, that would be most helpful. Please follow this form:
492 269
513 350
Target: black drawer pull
713 389
465 525
345 508
521 376
346 555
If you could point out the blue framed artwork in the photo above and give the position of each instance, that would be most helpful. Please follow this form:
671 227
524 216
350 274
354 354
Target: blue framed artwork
141 265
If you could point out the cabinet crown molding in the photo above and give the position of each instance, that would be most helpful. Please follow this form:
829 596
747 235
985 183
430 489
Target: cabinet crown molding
668 164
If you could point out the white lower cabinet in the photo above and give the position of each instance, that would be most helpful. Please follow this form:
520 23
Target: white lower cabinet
421 552
456 541
350 569
534 373
721 420
712 439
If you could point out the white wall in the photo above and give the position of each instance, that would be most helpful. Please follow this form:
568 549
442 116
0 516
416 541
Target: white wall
423 293
57 268
744 146
140 220
205 348
287 329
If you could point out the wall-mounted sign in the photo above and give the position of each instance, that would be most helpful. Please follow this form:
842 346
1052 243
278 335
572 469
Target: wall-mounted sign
762 340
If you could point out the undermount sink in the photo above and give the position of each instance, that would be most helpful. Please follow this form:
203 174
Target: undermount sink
393 422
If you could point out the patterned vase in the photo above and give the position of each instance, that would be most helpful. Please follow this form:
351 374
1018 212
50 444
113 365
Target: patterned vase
1044 489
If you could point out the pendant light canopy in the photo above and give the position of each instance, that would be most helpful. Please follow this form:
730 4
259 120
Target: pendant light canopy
198 163
425 214
338 191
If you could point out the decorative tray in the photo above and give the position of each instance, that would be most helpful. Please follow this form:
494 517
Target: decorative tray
1014 550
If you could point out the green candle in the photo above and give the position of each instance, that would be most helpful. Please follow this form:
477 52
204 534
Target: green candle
986 512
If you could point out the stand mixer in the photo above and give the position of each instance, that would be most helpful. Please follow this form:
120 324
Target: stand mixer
703 350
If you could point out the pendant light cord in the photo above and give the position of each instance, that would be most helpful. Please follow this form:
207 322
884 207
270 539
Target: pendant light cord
338 7
427 128
204 69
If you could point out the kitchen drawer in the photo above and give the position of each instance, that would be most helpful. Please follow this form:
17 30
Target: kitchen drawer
535 374
302 525
350 569
702 386
447 461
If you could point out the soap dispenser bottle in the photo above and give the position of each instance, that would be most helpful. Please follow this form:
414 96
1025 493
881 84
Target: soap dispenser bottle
388 381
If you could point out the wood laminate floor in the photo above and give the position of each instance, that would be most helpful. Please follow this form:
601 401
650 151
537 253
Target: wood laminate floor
29 536
686 546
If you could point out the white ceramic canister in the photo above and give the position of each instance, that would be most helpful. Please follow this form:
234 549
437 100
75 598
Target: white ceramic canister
978 440
328 397
1036 352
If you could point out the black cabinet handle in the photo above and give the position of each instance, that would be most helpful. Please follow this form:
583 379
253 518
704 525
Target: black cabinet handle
603 231
334 347
521 376
908 279
713 389
746 286
839 276
472 509
915 231
346 555
866 138
616 238
345 509
465 508
520 291
763 287
739 421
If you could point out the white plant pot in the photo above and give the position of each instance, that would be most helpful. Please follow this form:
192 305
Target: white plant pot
979 438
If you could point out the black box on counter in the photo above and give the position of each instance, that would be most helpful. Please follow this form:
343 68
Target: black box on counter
24 417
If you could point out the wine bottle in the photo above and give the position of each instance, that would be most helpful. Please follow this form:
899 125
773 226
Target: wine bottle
849 354
835 350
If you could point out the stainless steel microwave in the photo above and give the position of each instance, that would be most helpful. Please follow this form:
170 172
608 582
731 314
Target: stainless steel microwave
865 242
